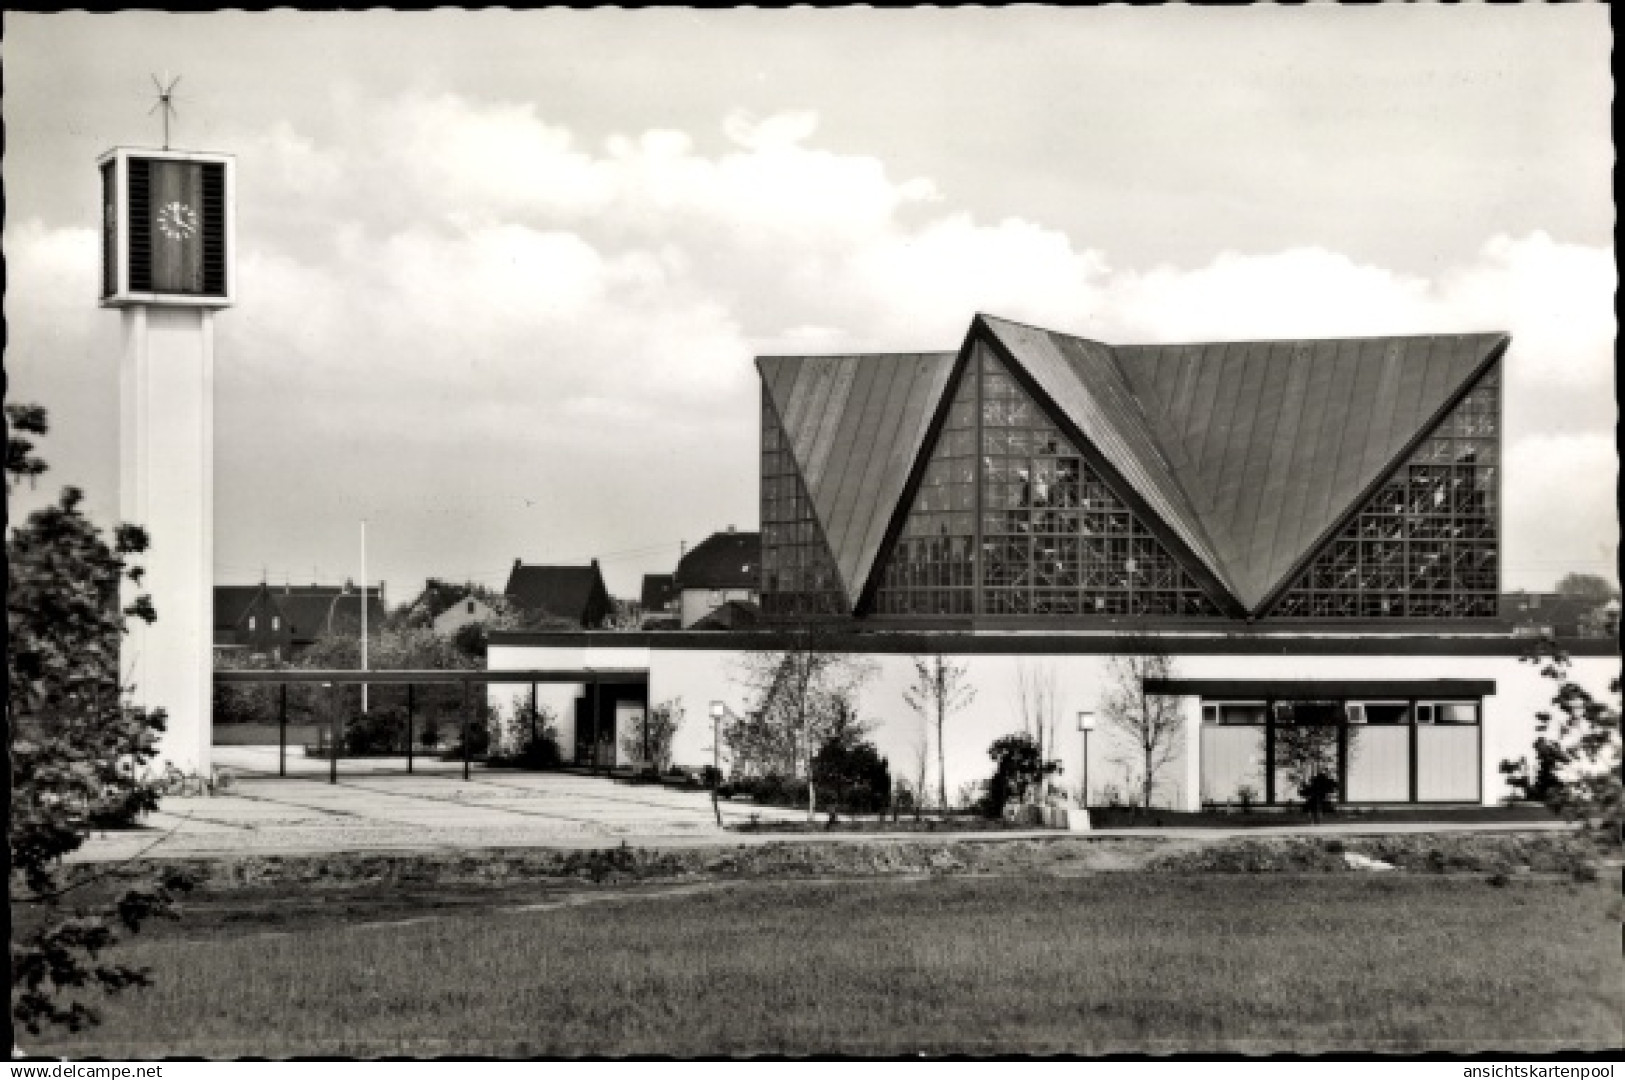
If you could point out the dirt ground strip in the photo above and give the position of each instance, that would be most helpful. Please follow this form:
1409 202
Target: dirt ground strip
1540 852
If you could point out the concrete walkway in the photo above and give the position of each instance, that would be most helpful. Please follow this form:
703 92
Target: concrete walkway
376 807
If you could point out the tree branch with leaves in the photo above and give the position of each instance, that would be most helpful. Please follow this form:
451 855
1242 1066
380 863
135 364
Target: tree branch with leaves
80 752
1577 752
805 687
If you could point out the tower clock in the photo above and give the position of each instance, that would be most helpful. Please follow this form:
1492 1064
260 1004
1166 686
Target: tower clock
167 228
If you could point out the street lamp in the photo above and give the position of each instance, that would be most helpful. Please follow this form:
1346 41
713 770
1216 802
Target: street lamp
1086 724
718 711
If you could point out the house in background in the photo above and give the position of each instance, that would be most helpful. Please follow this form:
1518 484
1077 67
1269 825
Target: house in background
282 621
725 566
732 615
1550 614
248 620
465 612
313 610
448 607
575 594
658 602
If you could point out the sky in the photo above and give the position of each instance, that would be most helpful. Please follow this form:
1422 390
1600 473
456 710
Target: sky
502 275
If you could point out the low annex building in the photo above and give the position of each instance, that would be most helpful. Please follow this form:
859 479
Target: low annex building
1310 530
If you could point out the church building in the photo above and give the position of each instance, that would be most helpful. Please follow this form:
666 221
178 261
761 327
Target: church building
1307 532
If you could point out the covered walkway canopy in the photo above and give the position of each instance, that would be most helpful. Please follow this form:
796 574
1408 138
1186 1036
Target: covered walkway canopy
595 678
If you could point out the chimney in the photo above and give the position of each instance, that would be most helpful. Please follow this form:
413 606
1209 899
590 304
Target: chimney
730 528
516 563
595 563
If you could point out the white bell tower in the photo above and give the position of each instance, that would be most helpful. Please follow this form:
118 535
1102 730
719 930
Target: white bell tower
168 251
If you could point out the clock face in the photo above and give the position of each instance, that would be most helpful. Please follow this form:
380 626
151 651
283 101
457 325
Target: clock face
177 221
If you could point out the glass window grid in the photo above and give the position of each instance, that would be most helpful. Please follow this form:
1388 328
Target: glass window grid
1425 545
1054 539
798 573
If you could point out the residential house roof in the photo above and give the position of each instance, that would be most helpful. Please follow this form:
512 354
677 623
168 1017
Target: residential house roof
312 610
439 596
568 592
232 604
732 615
659 590
724 560
1565 615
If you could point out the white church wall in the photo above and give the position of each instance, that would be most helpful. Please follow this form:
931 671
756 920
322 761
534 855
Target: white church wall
697 677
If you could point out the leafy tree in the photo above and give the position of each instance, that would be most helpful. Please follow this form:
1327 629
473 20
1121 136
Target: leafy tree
804 689
471 640
1019 770
651 742
1306 754
851 775
1577 750
1151 723
533 735
940 689
79 751
1591 587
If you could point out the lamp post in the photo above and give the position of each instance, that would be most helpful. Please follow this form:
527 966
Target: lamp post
718 711
1086 724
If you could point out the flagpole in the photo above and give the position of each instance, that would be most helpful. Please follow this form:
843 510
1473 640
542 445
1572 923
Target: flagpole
363 610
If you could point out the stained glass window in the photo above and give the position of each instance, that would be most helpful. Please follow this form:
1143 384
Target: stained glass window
1425 545
1053 539
798 573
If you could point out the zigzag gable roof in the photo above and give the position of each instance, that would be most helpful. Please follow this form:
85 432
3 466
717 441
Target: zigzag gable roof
1275 442
1084 381
855 425
1249 452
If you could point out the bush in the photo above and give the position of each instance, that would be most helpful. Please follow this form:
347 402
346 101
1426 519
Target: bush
533 736
852 777
429 736
771 790
1018 770
377 731
1319 794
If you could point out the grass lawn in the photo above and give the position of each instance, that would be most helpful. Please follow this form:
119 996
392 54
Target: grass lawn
1098 963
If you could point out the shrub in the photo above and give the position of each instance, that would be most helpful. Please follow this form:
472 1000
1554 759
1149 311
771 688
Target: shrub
377 731
534 737
1019 768
1319 795
852 776
429 736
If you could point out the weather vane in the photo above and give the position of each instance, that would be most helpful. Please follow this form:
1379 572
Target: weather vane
165 101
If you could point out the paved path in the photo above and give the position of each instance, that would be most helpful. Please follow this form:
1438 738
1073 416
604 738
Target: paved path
375 807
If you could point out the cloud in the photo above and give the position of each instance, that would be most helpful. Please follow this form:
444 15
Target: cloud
467 275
